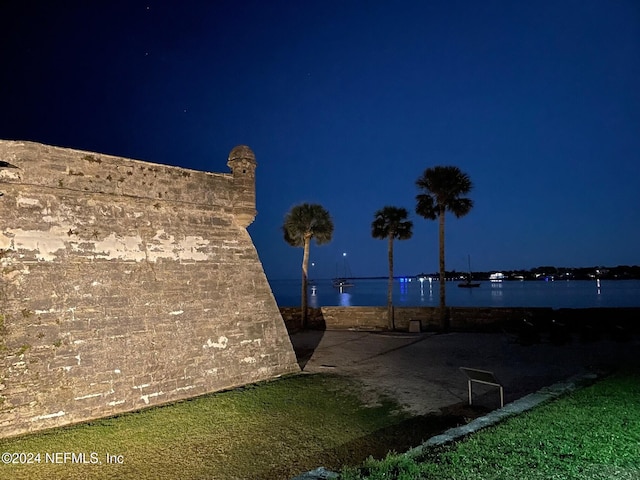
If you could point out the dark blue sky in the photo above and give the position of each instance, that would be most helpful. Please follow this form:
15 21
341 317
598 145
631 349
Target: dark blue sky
345 103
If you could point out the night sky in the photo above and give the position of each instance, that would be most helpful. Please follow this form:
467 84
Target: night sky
346 103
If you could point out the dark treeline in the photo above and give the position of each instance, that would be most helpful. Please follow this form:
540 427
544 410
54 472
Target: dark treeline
620 272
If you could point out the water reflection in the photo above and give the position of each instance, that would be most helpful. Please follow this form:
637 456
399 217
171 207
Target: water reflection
345 299
313 302
422 280
404 287
566 294
313 299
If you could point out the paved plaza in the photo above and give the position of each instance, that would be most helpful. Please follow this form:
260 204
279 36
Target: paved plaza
422 371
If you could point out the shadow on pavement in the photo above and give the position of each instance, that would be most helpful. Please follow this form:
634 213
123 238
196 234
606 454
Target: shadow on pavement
304 344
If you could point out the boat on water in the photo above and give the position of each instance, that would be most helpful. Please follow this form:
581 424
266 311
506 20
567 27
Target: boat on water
496 277
469 283
344 281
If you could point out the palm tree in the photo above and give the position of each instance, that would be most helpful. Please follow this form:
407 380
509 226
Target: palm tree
302 223
391 223
443 188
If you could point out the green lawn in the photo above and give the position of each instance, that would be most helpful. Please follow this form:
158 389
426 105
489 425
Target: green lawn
272 430
593 433
278 429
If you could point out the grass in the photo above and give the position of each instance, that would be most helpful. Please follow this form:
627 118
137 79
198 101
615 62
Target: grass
278 429
271 430
593 433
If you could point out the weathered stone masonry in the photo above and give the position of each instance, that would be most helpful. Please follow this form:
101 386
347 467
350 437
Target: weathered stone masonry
126 284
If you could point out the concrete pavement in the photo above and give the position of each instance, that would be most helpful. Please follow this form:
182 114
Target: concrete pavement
421 371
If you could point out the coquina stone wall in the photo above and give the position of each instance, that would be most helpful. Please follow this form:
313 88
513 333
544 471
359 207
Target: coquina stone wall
127 284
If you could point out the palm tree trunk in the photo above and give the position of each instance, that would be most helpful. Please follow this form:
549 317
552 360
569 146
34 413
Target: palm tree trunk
390 318
305 266
444 321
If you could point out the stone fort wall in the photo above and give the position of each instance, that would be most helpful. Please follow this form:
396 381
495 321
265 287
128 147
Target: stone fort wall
127 284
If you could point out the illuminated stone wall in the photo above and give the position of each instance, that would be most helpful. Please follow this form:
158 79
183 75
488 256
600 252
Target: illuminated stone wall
126 284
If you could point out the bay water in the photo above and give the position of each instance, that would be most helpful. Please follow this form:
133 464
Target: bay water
412 292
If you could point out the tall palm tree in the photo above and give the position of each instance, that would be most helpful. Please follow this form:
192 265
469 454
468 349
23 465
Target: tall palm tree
391 223
302 223
443 187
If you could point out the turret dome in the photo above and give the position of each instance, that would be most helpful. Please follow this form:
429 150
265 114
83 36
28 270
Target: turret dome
242 152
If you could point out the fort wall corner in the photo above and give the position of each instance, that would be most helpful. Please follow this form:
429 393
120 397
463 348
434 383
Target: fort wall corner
126 284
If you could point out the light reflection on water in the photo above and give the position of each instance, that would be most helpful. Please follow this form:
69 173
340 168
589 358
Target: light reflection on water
345 299
557 294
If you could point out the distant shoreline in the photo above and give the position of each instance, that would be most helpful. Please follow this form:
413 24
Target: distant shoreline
548 273
479 277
